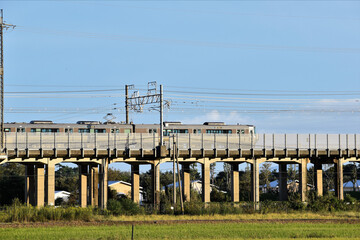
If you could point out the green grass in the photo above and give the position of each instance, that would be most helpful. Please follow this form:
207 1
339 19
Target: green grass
191 231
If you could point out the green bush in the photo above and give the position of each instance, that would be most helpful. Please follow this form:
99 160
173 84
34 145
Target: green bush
124 206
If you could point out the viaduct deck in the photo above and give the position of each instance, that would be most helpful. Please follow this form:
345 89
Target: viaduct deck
39 152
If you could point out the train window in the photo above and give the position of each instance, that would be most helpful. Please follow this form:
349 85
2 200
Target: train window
115 130
20 129
180 131
7 130
242 131
84 130
70 130
100 130
127 131
194 131
152 130
45 130
35 130
217 131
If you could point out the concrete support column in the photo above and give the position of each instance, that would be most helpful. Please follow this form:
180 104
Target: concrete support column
40 185
103 183
303 179
93 181
30 185
83 172
135 182
95 185
155 172
339 181
206 181
255 196
186 181
283 195
50 184
318 178
235 193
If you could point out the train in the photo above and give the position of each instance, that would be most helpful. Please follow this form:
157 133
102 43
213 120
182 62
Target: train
169 128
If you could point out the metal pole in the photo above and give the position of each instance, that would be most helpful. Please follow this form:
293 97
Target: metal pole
161 115
174 176
179 179
1 82
127 103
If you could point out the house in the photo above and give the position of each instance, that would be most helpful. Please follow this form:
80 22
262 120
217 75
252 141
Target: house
349 186
195 185
292 186
62 194
124 189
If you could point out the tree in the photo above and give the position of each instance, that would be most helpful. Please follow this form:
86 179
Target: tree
227 171
265 174
212 172
245 183
66 179
118 175
12 182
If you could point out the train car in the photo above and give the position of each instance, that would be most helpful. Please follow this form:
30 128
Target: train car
79 127
206 128
45 126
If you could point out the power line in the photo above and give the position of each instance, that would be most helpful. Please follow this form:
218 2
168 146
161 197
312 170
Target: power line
130 38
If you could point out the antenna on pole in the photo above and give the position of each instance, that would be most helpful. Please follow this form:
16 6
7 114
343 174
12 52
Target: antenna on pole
3 26
137 102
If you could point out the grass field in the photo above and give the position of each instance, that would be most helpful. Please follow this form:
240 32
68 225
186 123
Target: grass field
277 230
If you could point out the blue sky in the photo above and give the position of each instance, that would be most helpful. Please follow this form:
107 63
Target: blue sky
296 64
286 66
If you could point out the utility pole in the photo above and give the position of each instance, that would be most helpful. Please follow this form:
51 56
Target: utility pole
161 116
174 173
137 102
127 103
2 27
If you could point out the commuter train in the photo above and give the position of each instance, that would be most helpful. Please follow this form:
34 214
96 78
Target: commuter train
113 127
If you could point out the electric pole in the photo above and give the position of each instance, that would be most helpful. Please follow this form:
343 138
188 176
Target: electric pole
126 103
137 103
2 27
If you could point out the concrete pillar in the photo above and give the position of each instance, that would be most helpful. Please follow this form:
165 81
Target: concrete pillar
318 178
235 193
303 179
155 175
50 184
135 182
30 185
206 181
255 196
103 183
95 187
40 185
93 181
186 181
83 172
283 194
339 181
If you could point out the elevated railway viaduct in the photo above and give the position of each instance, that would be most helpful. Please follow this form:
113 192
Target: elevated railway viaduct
93 152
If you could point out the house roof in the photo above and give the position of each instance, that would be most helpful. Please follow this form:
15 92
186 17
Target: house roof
349 184
122 182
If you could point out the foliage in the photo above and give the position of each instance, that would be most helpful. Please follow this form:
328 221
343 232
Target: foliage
12 182
124 206
118 175
18 212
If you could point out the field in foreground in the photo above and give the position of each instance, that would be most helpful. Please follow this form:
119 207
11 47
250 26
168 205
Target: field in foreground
188 230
